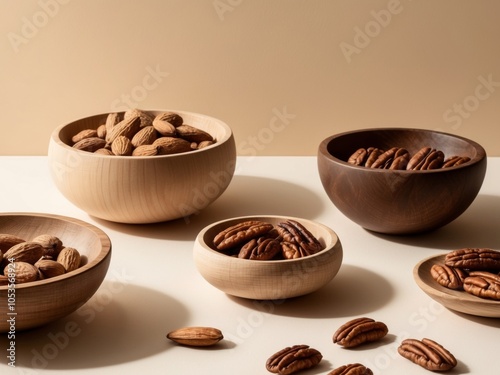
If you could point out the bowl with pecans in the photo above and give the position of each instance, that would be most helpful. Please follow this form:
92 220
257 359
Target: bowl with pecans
142 166
50 265
267 257
401 181
466 280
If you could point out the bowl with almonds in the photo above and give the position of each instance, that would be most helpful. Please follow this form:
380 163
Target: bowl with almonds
399 180
50 265
142 166
267 257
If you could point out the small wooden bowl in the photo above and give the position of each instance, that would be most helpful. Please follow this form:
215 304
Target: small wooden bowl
139 190
40 302
456 300
400 201
271 279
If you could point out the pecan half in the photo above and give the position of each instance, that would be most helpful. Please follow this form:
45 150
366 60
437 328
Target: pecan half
400 162
428 354
455 160
483 284
292 359
449 277
240 233
373 154
474 259
358 157
359 331
426 158
297 240
351 369
385 159
261 248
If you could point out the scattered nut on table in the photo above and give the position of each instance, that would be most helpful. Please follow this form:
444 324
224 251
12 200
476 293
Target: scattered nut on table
428 354
196 336
359 331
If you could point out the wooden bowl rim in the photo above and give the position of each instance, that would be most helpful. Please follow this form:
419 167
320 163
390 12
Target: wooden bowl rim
55 136
453 297
103 253
323 151
207 248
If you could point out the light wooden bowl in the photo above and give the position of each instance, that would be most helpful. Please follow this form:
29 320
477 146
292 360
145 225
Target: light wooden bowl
456 300
400 201
41 302
272 279
138 190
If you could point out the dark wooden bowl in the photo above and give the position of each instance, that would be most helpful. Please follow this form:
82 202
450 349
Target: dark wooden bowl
400 201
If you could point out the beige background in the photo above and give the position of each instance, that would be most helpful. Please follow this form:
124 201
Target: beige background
283 74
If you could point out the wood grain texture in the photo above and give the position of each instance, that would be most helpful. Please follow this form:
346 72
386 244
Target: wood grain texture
146 189
400 201
40 302
272 279
456 300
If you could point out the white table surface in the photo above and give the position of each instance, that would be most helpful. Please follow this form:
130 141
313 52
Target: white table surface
153 287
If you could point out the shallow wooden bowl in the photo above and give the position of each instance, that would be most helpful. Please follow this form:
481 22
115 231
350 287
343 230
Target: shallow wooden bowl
271 279
41 302
138 190
456 300
400 201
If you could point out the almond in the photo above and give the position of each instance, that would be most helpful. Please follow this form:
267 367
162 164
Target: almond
9 240
121 146
171 117
196 336
204 144
165 128
111 120
146 150
103 151
52 245
193 134
171 145
86 133
146 118
90 144
24 272
146 136
28 252
50 268
70 258
127 127
101 131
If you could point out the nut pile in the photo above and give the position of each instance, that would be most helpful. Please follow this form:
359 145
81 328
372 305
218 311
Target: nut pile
473 270
400 159
42 257
140 133
260 240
